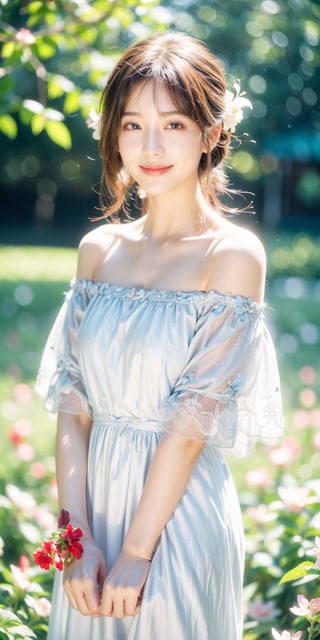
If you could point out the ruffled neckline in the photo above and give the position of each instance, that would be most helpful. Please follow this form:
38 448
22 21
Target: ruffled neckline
100 287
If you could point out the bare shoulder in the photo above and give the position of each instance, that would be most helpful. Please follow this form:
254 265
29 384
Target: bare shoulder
239 263
94 247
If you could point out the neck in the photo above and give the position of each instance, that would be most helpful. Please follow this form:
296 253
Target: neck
173 217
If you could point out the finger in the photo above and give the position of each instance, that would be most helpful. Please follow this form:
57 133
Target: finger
131 603
107 600
102 574
77 601
92 594
71 599
118 607
83 595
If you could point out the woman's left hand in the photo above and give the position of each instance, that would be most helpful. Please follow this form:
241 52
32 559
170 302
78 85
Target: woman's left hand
122 589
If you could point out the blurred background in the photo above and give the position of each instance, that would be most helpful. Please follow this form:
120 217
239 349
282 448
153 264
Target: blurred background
55 59
56 56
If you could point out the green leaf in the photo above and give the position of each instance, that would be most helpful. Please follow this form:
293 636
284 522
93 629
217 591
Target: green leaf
59 133
54 89
300 571
9 621
45 50
8 49
37 124
72 102
6 84
8 126
33 7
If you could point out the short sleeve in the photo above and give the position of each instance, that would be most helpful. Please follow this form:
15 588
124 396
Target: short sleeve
59 378
229 391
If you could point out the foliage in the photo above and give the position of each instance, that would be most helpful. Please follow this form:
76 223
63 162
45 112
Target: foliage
42 83
279 487
56 56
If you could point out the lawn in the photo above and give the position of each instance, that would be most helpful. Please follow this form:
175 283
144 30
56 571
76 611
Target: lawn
279 487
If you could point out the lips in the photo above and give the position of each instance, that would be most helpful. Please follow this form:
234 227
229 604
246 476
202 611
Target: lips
158 170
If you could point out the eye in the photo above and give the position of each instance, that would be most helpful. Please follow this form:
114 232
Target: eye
174 125
131 126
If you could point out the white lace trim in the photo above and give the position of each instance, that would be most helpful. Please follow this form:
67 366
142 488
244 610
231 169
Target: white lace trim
224 422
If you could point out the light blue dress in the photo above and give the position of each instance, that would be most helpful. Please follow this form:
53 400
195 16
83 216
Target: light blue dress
145 362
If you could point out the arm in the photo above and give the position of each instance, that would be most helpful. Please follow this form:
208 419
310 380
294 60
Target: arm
169 473
81 577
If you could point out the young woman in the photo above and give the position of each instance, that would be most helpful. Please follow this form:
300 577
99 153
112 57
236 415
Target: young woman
163 362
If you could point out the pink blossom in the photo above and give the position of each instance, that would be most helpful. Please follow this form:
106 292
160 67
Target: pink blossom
1 546
23 392
41 606
44 518
307 397
24 563
54 490
21 499
306 607
301 419
24 36
316 440
285 635
20 578
19 430
286 453
307 374
23 426
25 451
260 514
316 551
14 436
315 418
260 610
38 470
294 498
258 478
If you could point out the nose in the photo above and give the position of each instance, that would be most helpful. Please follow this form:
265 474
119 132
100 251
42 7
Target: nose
153 142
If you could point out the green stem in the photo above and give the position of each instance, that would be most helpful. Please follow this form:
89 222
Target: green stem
314 631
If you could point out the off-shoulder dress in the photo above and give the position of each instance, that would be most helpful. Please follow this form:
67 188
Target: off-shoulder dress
143 363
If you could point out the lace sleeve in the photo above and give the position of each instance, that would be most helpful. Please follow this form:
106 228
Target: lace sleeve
229 392
59 378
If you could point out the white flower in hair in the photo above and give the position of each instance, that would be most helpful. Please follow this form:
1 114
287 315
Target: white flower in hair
235 103
93 122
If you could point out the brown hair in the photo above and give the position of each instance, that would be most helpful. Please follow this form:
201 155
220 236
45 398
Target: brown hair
196 83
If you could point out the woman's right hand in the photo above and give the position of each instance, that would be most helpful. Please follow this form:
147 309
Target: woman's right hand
83 579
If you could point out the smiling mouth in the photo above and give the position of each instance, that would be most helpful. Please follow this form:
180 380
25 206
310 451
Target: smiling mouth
155 171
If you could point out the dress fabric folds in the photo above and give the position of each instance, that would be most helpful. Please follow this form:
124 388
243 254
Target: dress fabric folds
143 364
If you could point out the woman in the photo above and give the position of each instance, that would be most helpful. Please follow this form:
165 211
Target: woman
163 361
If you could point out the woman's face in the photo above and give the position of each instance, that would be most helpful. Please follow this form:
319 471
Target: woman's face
160 147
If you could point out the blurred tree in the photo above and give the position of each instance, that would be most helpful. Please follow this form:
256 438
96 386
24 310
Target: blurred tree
272 46
56 55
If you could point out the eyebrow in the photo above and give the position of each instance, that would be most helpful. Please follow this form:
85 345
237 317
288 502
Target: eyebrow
161 113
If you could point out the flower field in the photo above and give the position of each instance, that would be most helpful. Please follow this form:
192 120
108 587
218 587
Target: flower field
279 487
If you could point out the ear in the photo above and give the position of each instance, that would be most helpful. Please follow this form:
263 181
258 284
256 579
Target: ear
212 137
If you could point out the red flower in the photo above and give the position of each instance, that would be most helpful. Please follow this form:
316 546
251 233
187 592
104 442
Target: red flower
64 519
76 549
62 546
42 558
72 534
